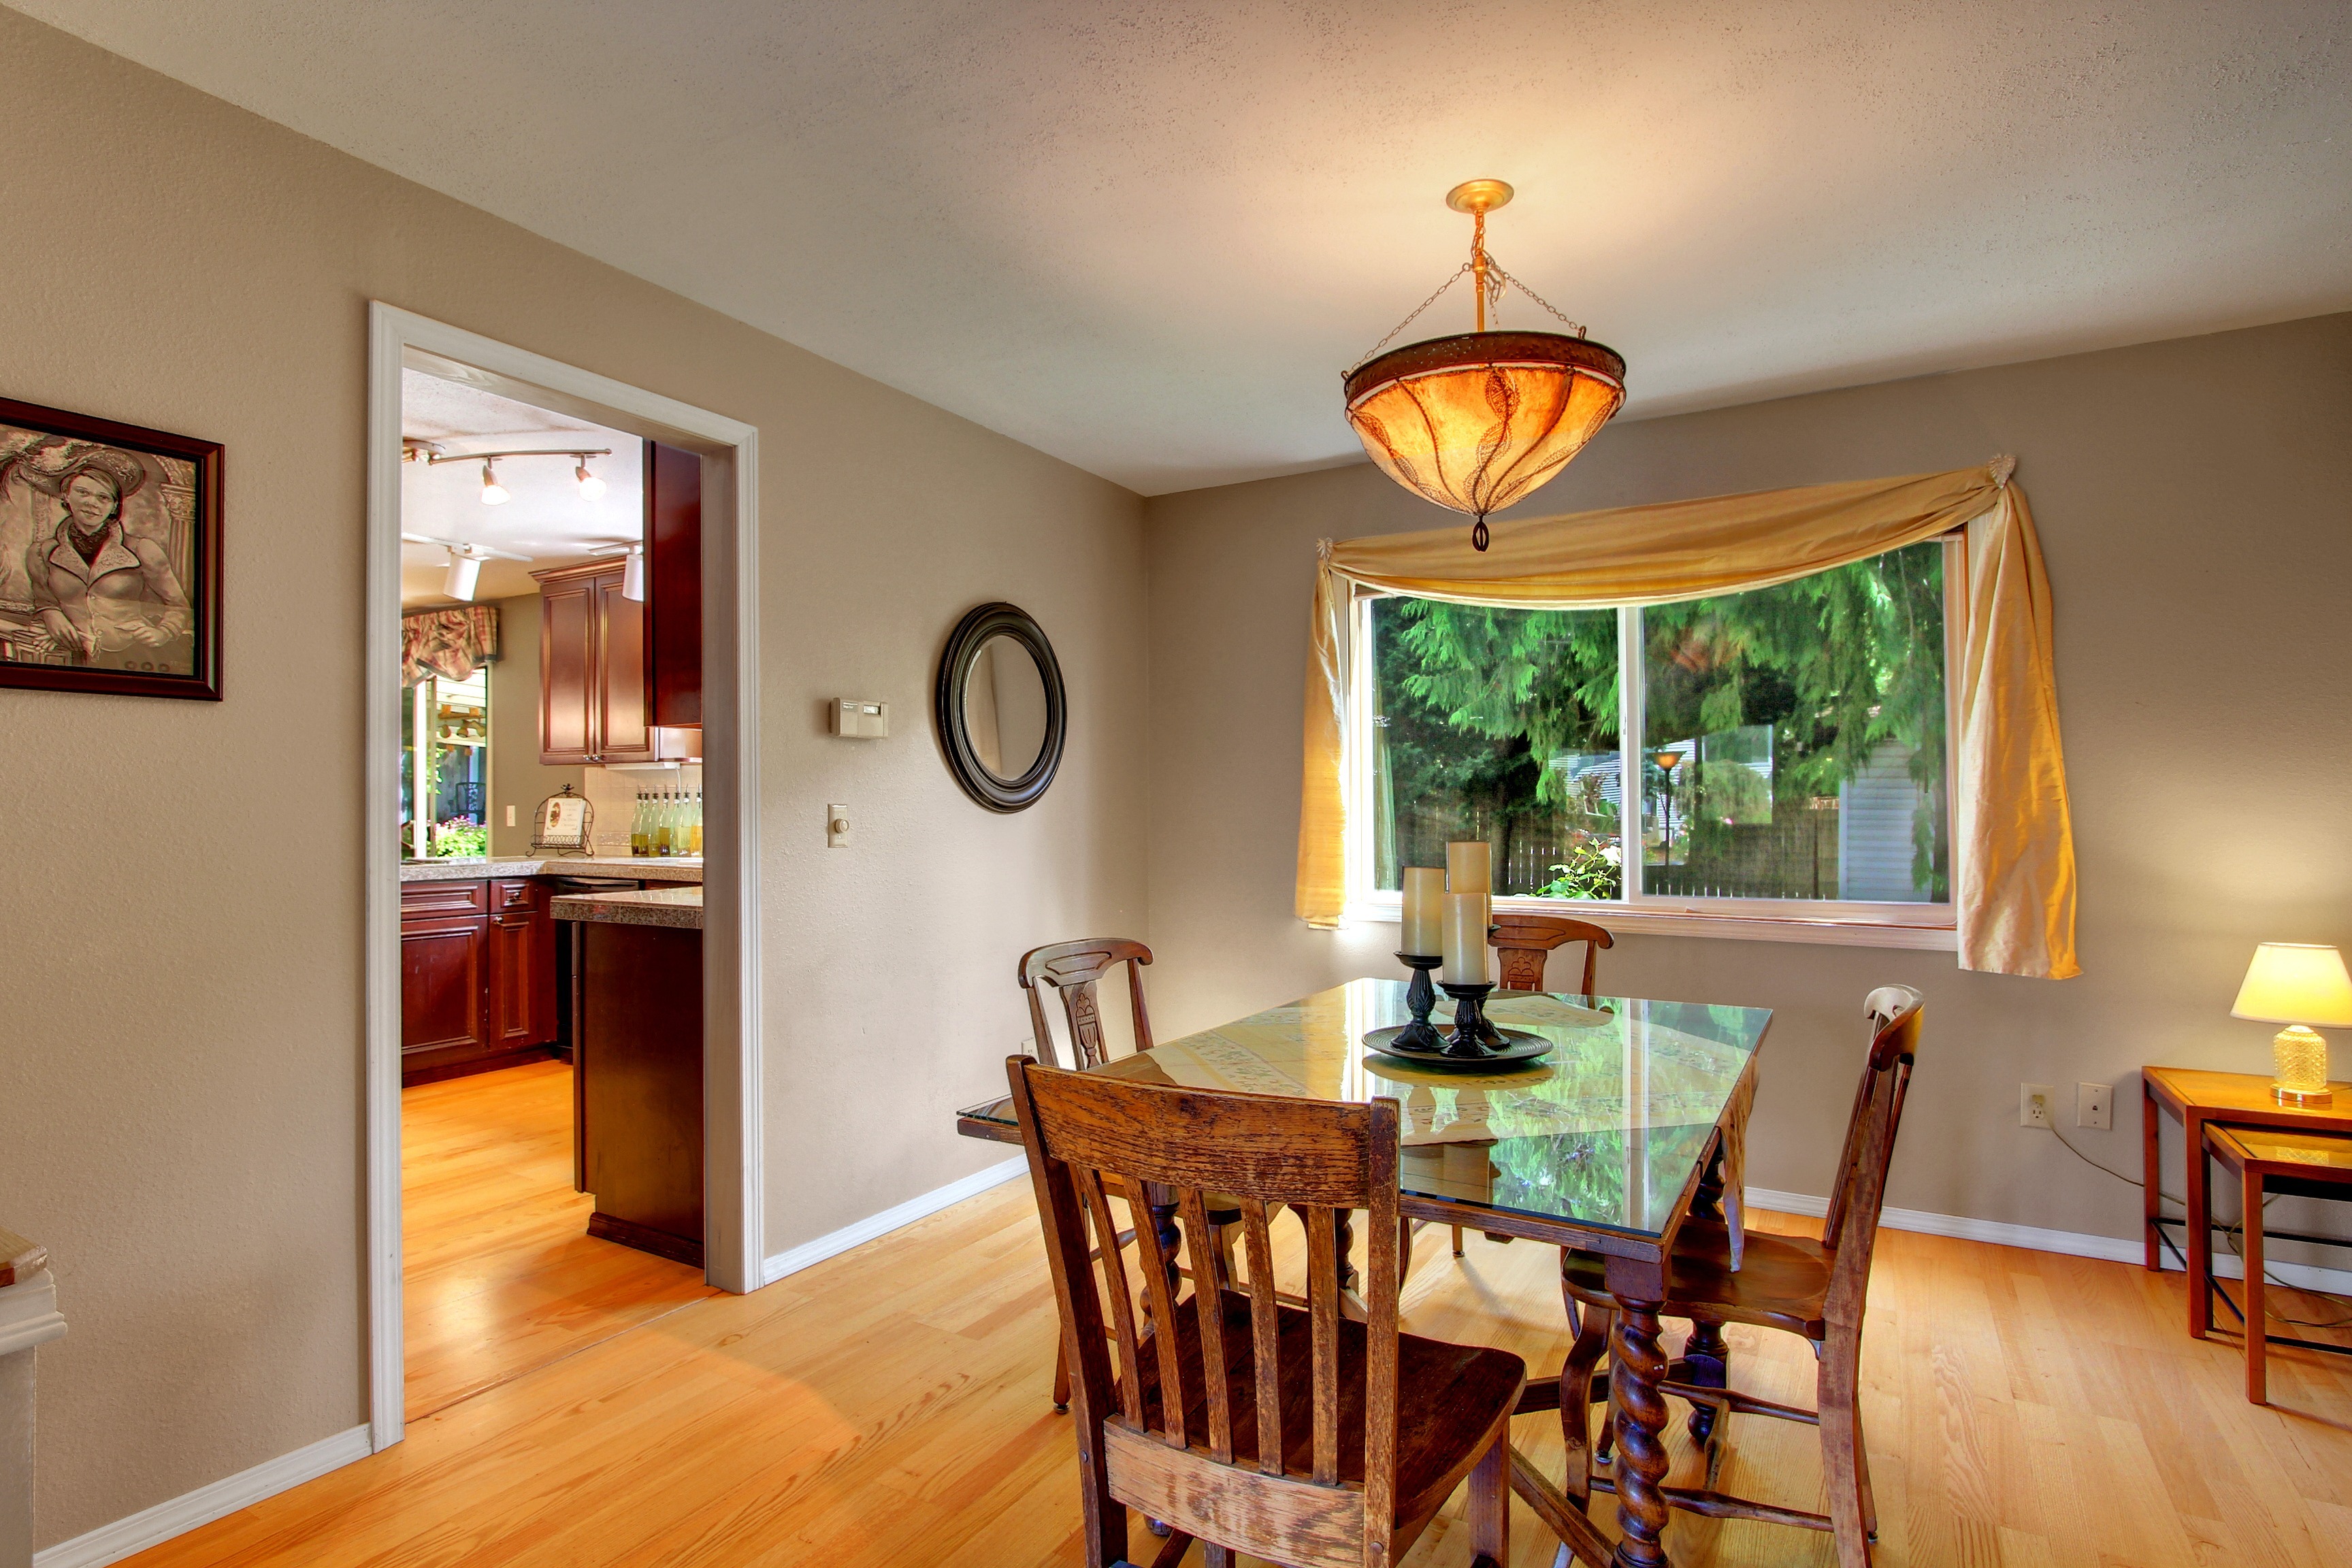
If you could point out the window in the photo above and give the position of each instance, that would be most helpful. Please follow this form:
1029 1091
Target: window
1785 747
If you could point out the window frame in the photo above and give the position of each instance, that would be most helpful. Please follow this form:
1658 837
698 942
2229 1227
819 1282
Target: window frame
1834 921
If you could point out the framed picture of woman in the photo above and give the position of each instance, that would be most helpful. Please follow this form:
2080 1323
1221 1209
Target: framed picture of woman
109 556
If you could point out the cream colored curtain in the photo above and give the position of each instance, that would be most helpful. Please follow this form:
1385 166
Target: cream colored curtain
2014 891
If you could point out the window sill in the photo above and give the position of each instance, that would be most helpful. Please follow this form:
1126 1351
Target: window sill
1876 929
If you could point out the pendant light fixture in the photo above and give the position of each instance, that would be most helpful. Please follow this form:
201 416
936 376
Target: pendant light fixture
493 492
1479 421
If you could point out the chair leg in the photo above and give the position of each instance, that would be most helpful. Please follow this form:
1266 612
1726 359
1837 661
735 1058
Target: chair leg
1215 1556
1062 1379
1457 1241
1490 1505
1584 1357
1837 1396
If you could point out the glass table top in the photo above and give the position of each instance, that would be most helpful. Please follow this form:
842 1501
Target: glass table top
1607 1130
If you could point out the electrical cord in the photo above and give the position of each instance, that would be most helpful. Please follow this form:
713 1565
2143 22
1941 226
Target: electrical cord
2231 1233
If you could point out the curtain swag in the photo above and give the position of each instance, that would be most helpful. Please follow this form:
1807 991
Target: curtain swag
2014 890
448 643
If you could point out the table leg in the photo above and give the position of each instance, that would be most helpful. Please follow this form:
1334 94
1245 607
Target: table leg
2258 1322
1638 1411
2200 1229
2151 1172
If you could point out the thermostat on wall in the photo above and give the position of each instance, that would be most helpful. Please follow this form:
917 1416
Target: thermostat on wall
860 720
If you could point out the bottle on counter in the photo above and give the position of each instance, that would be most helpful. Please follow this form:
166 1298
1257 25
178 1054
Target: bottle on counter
641 828
661 823
696 818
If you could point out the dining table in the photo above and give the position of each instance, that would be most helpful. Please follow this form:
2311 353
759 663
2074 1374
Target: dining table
1631 1124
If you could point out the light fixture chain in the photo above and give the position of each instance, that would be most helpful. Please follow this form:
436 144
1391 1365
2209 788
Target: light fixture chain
1539 299
1451 279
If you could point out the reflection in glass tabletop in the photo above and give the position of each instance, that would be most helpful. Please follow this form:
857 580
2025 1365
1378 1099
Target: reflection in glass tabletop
1607 1130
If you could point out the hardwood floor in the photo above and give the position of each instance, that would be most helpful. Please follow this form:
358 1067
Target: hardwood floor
890 1406
499 1274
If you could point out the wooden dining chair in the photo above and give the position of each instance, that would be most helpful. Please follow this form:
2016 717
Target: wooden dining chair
1523 945
1296 1435
1814 1288
1075 970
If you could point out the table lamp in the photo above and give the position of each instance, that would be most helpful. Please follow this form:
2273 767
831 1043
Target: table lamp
2298 985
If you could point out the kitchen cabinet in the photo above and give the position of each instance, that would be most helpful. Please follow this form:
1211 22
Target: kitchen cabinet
477 977
592 688
674 586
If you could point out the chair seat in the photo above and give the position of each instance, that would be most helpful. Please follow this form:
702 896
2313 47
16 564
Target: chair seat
1450 1398
1781 1282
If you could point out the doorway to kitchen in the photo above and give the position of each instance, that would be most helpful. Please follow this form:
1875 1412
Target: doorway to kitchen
562 1071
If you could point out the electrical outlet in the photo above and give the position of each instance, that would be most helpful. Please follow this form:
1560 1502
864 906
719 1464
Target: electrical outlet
836 827
2095 1105
510 821
2033 1102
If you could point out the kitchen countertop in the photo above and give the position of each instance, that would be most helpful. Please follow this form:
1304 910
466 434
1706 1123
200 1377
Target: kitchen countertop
646 868
678 907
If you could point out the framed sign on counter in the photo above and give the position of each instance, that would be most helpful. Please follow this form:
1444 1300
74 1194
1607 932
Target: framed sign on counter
109 556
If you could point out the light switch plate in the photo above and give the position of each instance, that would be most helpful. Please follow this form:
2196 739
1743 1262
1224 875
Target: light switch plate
2095 1105
836 827
856 719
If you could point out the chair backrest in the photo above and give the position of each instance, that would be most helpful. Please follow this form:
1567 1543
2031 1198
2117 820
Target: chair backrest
1524 942
1073 969
1858 1190
1207 1420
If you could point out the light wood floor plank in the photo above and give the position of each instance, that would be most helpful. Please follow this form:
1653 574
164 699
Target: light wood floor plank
889 1407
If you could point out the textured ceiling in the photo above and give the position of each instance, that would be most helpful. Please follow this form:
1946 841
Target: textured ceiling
1147 237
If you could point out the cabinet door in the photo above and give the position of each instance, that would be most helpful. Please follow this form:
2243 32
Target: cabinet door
522 978
567 708
623 728
673 584
444 985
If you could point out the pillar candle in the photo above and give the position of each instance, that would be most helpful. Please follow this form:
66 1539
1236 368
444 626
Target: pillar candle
1424 912
1464 945
1468 869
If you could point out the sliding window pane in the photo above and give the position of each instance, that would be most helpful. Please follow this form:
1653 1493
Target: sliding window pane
1502 725
1793 741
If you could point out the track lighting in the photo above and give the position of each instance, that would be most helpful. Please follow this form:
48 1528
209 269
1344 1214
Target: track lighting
633 575
465 571
493 492
591 487
465 562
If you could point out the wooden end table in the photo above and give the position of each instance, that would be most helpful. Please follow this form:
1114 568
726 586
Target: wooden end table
2194 1096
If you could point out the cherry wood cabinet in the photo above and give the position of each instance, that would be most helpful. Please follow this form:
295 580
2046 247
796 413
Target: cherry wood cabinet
674 586
593 687
477 977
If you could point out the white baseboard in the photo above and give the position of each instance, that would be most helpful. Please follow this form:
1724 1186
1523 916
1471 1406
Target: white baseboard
112 1542
834 1243
2072 1243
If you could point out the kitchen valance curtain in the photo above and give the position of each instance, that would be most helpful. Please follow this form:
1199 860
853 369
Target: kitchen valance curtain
451 643
2014 890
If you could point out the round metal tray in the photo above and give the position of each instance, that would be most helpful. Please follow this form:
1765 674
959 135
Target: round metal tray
1517 1047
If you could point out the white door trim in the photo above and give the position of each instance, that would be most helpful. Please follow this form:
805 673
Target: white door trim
733 1227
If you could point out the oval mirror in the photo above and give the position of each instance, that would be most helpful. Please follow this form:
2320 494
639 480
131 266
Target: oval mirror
1001 707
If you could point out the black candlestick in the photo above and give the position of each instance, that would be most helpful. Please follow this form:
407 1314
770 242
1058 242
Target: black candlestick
1420 1035
1472 1036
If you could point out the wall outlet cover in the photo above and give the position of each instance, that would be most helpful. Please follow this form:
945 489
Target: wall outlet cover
2034 1101
2095 1105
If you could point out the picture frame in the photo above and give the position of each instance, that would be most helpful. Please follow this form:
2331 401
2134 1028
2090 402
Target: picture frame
109 556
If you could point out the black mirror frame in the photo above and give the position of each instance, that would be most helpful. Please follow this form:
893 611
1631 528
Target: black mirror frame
963 649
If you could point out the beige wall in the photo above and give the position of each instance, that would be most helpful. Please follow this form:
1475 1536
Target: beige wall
516 779
181 1114
2195 501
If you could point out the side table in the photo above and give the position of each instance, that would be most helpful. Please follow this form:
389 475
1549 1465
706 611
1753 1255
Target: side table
2194 1096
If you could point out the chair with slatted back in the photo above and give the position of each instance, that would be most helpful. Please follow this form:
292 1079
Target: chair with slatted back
1815 1289
1295 1435
1523 945
1075 970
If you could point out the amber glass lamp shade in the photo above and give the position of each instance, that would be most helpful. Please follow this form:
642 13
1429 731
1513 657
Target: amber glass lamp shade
1482 420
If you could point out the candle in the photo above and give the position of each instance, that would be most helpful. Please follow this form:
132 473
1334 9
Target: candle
1424 913
1468 869
1464 947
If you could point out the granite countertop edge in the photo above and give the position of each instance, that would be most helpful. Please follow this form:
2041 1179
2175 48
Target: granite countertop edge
647 869
679 909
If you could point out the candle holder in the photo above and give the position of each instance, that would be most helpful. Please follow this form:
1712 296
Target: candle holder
1419 997
1472 1037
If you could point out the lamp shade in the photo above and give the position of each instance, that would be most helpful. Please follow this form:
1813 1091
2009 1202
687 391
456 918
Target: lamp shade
1479 421
2297 983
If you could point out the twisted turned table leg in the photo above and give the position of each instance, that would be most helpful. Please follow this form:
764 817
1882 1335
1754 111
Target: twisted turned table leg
1638 1412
